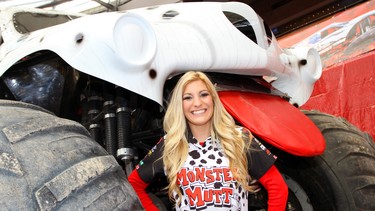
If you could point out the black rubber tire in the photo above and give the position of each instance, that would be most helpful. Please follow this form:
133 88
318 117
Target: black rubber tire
343 178
49 163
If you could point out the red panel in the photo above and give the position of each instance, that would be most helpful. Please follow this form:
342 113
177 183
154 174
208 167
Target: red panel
347 89
275 121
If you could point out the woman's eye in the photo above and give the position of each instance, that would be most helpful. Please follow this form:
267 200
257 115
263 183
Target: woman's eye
205 94
186 98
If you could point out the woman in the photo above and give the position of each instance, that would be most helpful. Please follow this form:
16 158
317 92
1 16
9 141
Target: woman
208 160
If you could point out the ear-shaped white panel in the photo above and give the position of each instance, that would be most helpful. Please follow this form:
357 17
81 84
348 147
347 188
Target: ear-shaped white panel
309 63
135 40
304 69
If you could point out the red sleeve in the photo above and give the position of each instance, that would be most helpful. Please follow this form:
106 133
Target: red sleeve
139 187
277 189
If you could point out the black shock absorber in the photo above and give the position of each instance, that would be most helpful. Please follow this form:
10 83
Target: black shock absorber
123 113
94 102
109 119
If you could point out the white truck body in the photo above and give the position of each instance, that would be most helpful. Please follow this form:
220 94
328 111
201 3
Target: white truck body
139 49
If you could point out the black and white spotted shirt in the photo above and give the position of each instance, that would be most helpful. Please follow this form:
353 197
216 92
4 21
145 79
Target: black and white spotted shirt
205 179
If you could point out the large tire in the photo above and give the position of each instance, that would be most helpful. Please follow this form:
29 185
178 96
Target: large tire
49 163
343 178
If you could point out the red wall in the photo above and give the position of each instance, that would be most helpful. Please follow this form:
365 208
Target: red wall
347 89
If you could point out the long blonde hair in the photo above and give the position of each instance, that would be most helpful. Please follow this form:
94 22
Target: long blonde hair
223 128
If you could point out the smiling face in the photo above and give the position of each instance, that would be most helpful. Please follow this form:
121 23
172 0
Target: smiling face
197 104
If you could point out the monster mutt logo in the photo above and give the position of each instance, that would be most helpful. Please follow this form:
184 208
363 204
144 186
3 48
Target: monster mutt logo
205 186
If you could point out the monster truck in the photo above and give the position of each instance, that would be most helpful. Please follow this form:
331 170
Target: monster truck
83 99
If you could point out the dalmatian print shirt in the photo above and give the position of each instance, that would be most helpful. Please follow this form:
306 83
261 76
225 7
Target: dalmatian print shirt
205 179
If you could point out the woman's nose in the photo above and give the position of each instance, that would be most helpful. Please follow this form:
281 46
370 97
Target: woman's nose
197 102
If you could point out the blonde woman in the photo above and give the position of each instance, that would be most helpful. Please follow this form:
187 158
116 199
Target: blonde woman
208 160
